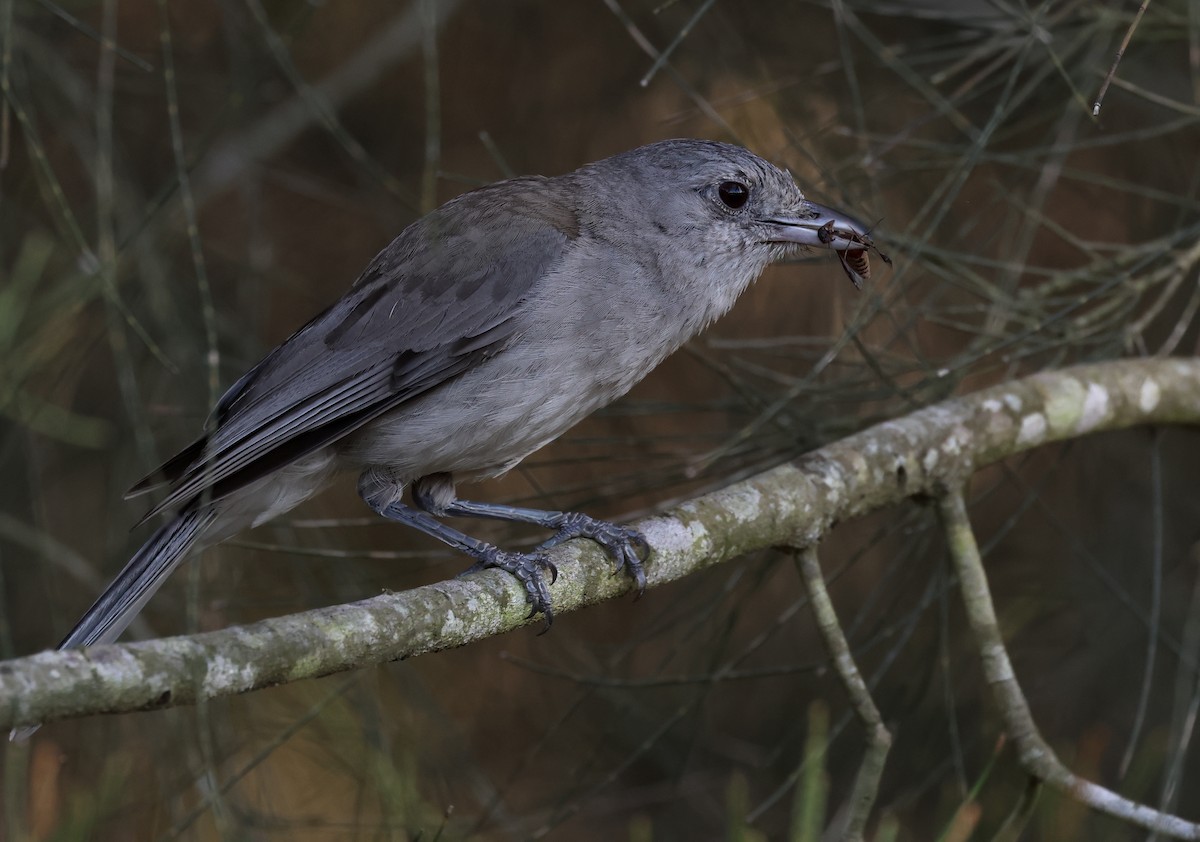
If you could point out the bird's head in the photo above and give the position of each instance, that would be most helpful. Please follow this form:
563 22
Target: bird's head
722 202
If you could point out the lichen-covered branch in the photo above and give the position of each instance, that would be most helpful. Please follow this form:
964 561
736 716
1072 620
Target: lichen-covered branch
879 739
793 505
1036 755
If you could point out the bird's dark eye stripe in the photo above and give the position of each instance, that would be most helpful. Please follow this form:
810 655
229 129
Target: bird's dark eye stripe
733 193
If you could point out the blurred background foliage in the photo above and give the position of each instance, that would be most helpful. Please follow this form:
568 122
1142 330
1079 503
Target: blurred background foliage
183 184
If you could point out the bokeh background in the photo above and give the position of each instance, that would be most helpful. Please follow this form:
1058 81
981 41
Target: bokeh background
183 184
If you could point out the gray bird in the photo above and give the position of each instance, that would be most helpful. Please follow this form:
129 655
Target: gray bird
482 332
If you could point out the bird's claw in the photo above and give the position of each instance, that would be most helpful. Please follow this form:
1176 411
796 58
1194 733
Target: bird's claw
527 568
625 545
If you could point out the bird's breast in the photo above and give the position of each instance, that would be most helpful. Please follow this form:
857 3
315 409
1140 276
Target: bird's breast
594 327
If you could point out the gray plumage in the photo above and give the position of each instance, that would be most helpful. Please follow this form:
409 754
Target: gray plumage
482 332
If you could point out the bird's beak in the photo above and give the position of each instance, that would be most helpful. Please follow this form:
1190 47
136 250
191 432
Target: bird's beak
822 227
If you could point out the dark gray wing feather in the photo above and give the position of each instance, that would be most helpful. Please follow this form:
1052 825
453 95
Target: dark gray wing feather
433 304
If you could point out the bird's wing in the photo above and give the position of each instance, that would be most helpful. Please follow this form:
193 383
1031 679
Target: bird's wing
436 302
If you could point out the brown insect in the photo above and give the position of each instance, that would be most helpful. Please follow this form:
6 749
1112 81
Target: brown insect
855 262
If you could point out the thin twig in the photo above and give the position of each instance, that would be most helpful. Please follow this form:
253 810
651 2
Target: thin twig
1112 71
879 739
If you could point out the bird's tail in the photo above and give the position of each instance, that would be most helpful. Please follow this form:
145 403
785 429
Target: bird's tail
139 579
112 613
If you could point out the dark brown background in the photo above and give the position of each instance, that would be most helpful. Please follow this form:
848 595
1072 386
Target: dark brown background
1025 235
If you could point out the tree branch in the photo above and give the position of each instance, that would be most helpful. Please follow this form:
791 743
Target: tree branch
793 505
1037 757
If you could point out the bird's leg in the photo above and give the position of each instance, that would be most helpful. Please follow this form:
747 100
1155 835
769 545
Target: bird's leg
383 496
435 494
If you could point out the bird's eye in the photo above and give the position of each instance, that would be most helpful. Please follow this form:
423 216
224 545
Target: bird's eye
733 193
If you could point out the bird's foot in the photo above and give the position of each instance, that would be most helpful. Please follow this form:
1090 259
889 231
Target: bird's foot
626 546
527 568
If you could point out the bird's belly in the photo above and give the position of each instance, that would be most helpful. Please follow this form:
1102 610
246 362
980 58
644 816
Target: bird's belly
487 420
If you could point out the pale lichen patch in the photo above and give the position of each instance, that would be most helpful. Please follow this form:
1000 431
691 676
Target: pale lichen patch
956 442
1095 408
1149 396
368 626
224 674
1033 429
671 536
861 465
930 460
1064 403
833 496
452 624
1014 402
745 505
